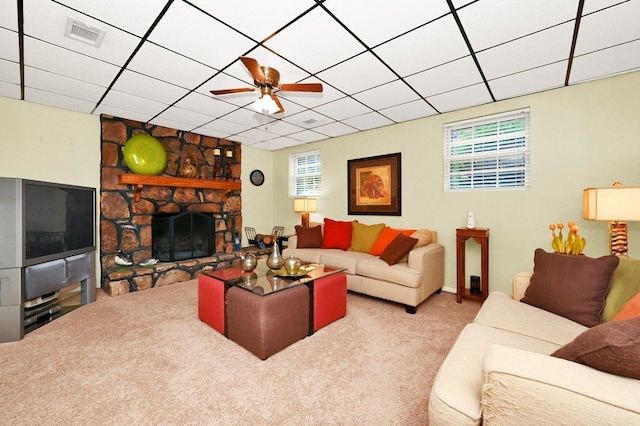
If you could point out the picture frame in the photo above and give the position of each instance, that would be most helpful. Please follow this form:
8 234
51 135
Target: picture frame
374 185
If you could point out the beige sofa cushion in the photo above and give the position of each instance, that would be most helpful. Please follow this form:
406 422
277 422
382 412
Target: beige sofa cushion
343 259
399 273
501 311
455 395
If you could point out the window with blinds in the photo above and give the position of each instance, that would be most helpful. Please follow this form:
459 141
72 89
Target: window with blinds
305 170
488 153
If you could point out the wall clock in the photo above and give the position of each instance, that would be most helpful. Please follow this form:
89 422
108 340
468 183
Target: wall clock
257 177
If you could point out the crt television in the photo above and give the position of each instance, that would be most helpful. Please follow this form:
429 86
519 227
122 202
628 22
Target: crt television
51 221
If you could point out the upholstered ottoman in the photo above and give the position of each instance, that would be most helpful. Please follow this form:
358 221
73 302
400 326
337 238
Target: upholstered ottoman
267 324
211 302
329 299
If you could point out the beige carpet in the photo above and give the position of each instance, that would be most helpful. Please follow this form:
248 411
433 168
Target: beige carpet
146 358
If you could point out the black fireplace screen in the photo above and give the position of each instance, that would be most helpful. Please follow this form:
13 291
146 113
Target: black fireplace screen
182 236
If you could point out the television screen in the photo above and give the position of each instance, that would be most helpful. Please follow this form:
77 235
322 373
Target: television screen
58 220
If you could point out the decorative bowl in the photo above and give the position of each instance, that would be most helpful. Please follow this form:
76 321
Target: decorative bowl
145 155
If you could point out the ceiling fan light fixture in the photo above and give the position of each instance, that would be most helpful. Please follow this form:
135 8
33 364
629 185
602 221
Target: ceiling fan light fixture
265 104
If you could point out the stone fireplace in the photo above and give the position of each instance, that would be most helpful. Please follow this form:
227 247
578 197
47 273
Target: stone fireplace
126 222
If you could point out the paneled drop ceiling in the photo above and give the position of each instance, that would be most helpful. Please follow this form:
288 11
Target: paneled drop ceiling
380 62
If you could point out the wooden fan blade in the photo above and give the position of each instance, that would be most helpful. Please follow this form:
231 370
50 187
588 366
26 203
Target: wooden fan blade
227 91
301 87
254 68
277 101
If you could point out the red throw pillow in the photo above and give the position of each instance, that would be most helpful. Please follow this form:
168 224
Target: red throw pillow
398 248
386 236
309 237
337 234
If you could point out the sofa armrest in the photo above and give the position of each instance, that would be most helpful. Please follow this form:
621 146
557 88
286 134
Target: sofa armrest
529 388
519 284
292 242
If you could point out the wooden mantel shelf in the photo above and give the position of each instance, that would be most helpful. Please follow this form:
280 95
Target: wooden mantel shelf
139 181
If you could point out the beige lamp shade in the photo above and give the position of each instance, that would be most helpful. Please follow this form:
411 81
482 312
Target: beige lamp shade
305 205
612 204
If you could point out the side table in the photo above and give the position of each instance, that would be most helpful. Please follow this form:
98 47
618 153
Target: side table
480 236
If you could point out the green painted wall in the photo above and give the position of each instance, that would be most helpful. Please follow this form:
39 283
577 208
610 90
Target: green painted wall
581 136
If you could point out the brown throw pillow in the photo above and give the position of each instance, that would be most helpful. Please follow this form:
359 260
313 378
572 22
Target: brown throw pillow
612 347
571 286
309 237
397 248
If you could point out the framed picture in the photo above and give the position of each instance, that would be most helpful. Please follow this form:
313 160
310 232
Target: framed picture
374 185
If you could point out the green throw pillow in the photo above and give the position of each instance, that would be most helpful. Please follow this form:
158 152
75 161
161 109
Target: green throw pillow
625 283
363 236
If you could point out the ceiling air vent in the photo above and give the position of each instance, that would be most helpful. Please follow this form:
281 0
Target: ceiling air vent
310 121
80 31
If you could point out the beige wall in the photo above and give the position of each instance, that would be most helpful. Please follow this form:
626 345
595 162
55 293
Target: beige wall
581 136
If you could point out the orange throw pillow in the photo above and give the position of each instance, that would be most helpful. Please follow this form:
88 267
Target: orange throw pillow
630 310
386 236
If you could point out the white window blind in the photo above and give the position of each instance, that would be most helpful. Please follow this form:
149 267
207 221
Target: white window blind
305 174
488 153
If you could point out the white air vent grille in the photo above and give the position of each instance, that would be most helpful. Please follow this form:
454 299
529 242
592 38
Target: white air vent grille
80 31
310 121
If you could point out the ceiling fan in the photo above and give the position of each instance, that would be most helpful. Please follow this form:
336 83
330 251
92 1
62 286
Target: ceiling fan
268 81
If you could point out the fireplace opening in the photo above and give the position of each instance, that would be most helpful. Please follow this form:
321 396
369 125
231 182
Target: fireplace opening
187 235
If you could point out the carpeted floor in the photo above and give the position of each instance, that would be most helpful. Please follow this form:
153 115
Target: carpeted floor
145 358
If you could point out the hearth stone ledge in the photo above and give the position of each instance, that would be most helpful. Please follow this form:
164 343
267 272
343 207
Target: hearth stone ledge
123 280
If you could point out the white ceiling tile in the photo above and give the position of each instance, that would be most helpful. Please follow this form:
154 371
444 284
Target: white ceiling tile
137 84
282 128
343 108
533 80
368 121
315 42
444 78
308 119
254 24
381 22
358 74
193 119
49 20
55 83
591 6
133 16
9 72
424 48
9 15
129 102
491 22
191 33
311 100
57 100
9 45
9 90
152 60
408 111
335 129
387 95
247 117
224 127
171 124
609 27
307 136
525 53
200 103
61 61
607 62
461 98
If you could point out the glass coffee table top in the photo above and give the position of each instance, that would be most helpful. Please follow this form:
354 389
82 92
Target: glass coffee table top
263 280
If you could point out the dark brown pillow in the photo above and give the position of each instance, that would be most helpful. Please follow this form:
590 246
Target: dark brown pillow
571 286
309 237
397 248
612 347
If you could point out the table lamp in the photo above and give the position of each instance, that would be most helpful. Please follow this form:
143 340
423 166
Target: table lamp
305 206
617 205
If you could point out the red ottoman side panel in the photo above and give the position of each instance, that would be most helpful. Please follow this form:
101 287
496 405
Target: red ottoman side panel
211 302
329 300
